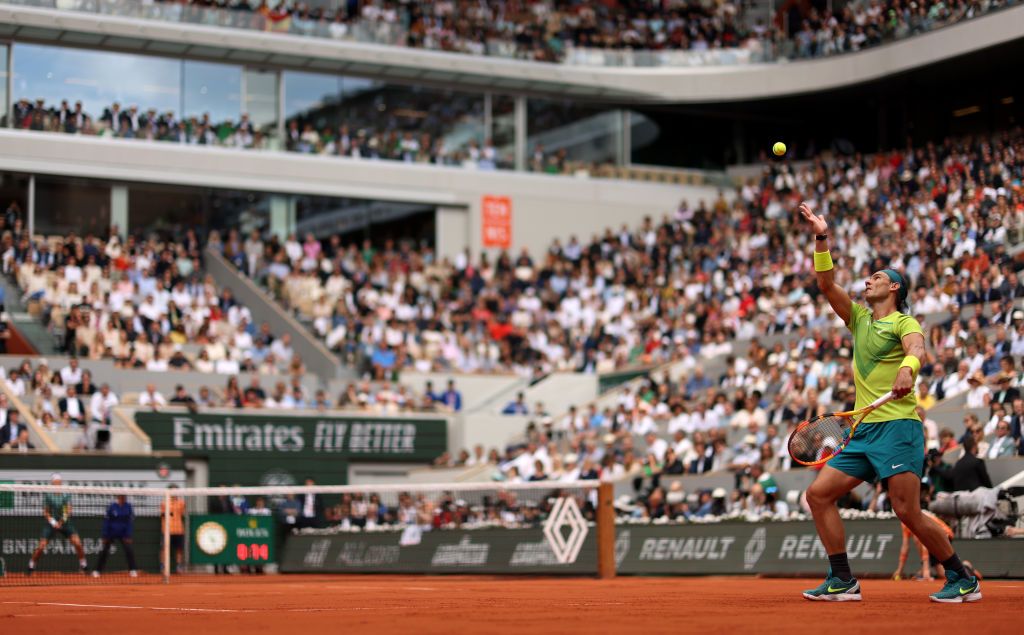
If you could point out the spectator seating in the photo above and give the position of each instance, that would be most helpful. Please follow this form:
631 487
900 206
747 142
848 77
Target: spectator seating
631 297
565 32
142 303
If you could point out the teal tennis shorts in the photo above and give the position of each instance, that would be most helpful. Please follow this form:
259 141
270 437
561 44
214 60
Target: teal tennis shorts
881 449
67 530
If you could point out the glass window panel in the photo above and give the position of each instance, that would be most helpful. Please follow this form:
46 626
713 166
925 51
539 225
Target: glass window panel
569 135
13 198
66 205
170 211
503 122
261 98
306 92
98 79
214 90
367 118
261 106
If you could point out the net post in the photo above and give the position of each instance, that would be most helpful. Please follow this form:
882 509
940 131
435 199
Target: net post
166 551
605 532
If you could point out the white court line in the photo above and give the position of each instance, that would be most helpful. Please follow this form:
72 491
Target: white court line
175 608
346 608
126 606
50 614
349 587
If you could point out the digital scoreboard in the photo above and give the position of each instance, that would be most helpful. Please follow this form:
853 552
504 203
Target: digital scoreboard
231 539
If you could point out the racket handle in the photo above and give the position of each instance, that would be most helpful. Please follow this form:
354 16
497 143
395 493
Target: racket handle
886 398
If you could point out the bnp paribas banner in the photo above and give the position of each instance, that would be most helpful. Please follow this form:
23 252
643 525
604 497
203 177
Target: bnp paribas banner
278 449
19 537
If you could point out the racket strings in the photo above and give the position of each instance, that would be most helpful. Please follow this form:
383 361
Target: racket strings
820 438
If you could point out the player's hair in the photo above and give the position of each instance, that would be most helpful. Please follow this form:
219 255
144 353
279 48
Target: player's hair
970 445
902 305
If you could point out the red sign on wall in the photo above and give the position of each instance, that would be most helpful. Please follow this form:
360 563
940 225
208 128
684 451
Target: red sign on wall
497 221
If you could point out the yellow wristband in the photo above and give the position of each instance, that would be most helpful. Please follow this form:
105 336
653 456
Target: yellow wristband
823 261
913 363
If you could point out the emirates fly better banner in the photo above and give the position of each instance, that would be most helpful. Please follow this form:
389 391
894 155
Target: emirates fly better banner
278 449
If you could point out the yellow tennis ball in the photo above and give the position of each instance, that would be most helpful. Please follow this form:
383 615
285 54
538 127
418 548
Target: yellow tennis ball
779 148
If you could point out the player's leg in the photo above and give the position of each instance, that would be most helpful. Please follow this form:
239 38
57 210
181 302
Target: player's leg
830 485
178 547
899 458
102 561
37 553
129 553
76 542
905 494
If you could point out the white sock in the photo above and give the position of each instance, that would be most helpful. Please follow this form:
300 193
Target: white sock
82 563
31 564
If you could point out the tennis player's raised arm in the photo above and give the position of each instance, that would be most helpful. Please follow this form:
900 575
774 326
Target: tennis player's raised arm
913 345
837 296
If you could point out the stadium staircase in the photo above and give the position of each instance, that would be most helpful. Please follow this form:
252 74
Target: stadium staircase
317 358
36 335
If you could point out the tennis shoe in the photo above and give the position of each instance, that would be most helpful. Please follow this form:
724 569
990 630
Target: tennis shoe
835 590
958 589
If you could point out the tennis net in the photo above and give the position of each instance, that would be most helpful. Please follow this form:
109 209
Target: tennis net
62 534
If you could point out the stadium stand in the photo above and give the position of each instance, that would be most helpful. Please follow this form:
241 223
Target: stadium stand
578 32
343 291
669 356
140 302
556 313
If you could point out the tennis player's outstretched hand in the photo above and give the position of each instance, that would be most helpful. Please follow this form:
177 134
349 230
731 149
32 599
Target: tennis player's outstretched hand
904 382
817 223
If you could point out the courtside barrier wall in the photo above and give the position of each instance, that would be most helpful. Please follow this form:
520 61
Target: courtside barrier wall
728 548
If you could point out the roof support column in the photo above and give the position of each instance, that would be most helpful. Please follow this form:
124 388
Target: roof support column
520 123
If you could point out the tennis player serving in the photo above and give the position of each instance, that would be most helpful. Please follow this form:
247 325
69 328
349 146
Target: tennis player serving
887 349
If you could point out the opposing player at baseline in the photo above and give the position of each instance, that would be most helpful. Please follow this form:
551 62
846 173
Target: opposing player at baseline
57 511
887 350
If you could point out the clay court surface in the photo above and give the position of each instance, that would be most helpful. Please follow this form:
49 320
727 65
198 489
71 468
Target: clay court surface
474 604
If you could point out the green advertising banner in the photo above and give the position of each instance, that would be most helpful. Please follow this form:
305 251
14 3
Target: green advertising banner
232 539
278 449
19 537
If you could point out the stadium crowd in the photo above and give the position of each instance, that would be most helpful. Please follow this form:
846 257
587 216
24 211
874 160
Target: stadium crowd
362 133
360 138
684 288
140 303
65 398
957 204
687 289
547 31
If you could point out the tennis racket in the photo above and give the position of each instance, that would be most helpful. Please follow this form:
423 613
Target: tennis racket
817 440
